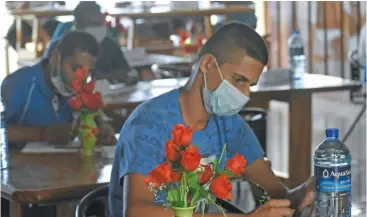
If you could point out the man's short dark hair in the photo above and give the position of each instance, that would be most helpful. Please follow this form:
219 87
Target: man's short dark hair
235 38
78 41
88 13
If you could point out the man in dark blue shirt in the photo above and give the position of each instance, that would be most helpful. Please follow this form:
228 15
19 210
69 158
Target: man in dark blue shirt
35 97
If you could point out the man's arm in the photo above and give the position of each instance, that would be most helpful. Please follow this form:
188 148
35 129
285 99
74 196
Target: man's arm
21 133
139 201
60 133
260 172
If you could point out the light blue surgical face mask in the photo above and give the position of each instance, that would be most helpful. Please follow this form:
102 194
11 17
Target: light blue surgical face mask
57 79
226 100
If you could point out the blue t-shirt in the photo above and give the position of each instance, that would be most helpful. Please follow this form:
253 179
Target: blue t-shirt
141 146
30 102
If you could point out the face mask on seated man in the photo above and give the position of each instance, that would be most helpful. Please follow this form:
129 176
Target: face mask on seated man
36 97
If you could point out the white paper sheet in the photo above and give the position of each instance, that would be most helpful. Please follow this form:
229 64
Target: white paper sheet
44 147
108 151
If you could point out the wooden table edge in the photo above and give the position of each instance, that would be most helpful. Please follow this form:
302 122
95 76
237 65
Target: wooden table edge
50 195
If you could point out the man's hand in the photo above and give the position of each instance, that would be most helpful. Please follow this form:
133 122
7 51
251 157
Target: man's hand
308 200
58 134
274 208
106 135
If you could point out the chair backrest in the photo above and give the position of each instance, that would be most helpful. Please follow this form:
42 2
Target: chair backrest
256 119
88 199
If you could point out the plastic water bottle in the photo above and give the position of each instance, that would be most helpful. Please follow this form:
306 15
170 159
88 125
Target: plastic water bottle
332 161
296 56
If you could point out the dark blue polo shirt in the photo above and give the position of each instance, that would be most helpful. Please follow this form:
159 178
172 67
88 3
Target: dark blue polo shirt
30 102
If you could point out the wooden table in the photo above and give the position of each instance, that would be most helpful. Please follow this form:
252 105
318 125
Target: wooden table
300 110
149 60
50 178
132 13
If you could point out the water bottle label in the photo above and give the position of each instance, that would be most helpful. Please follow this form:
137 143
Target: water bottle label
333 179
296 51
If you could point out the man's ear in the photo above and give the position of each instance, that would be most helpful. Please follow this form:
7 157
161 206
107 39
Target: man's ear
206 62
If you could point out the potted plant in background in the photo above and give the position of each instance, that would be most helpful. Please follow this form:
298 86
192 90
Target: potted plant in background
183 181
87 103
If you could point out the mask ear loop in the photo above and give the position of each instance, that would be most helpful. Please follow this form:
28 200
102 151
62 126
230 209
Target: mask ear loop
204 73
220 72
58 71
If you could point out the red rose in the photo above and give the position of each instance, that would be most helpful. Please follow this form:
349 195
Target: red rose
77 86
89 87
182 135
172 151
236 164
190 158
75 103
206 175
162 174
92 101
221 187
81 74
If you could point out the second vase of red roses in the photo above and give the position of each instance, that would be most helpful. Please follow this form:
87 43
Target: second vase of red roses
185 180
87 103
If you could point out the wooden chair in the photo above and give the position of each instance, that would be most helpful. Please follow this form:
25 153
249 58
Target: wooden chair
102 192
89 199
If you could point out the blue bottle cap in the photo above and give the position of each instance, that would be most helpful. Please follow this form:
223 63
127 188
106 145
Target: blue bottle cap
332 133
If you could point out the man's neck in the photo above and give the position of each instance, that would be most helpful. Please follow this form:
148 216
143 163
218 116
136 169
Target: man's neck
191 103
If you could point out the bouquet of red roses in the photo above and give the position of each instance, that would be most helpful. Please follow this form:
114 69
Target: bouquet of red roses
185 180
86 98
87 102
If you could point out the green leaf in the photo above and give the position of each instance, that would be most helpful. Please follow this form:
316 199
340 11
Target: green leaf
192 178
195 197
179 204
173 195
204 193
215 165
198 146
227 173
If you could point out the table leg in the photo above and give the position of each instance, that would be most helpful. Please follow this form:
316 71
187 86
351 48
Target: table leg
131 35
65 209
227 20
15 209
300 135
208 26
7 63
18 29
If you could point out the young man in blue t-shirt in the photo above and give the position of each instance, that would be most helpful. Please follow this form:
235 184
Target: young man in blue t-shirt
230 62
35 97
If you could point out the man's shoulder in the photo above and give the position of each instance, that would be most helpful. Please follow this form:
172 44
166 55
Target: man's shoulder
235 121
21 77
109 42
157 112
236 126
